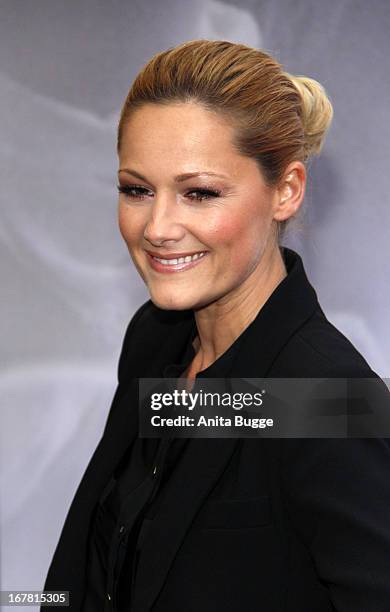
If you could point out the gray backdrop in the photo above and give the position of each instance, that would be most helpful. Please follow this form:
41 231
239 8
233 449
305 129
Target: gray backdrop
68 285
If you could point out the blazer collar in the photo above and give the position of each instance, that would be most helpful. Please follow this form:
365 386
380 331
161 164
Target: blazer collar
290 305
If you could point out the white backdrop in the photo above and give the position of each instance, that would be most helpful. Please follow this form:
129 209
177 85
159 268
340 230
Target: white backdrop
68 285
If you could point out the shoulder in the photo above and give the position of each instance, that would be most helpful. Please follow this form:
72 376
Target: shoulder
318 348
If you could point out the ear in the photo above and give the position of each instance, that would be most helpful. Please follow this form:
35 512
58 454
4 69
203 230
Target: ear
290 191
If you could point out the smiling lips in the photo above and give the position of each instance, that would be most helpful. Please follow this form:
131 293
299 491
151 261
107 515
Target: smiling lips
174 262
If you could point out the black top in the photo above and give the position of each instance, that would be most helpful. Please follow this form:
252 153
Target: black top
130 499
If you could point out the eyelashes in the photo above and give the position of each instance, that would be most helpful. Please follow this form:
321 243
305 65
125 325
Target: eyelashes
136 192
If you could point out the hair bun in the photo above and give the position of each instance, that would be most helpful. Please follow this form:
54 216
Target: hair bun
317 112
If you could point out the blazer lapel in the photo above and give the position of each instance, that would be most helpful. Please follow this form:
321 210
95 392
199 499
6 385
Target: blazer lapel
201 465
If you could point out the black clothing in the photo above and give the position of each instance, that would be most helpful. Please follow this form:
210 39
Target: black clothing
130 500
273 524
125 507
120 522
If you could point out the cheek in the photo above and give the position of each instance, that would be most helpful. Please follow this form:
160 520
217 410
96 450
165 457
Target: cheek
242 234
130 224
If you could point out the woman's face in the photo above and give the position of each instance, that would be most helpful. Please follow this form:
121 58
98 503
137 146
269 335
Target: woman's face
226 215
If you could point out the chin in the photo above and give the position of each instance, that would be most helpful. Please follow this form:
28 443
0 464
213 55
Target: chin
172 301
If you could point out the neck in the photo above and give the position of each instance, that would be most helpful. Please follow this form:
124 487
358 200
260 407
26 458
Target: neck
219 324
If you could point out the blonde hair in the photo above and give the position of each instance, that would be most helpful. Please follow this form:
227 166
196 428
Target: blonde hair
278 117
317 112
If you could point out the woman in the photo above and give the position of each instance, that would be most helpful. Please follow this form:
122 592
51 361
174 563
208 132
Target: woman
213 141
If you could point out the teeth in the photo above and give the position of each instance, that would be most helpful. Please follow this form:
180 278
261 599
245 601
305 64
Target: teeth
180 260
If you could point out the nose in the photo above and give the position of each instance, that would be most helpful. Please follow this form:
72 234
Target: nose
163 222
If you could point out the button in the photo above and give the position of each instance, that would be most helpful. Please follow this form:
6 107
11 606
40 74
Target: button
121 529
108 596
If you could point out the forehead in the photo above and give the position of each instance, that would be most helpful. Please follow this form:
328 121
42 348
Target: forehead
182 137
179 115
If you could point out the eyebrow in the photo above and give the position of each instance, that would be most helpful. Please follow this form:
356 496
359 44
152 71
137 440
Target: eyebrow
178 179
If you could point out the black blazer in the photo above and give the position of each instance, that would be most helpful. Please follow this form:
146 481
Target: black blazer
280 525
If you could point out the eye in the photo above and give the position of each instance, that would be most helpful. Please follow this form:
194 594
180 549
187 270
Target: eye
136 192
132 191
204 194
